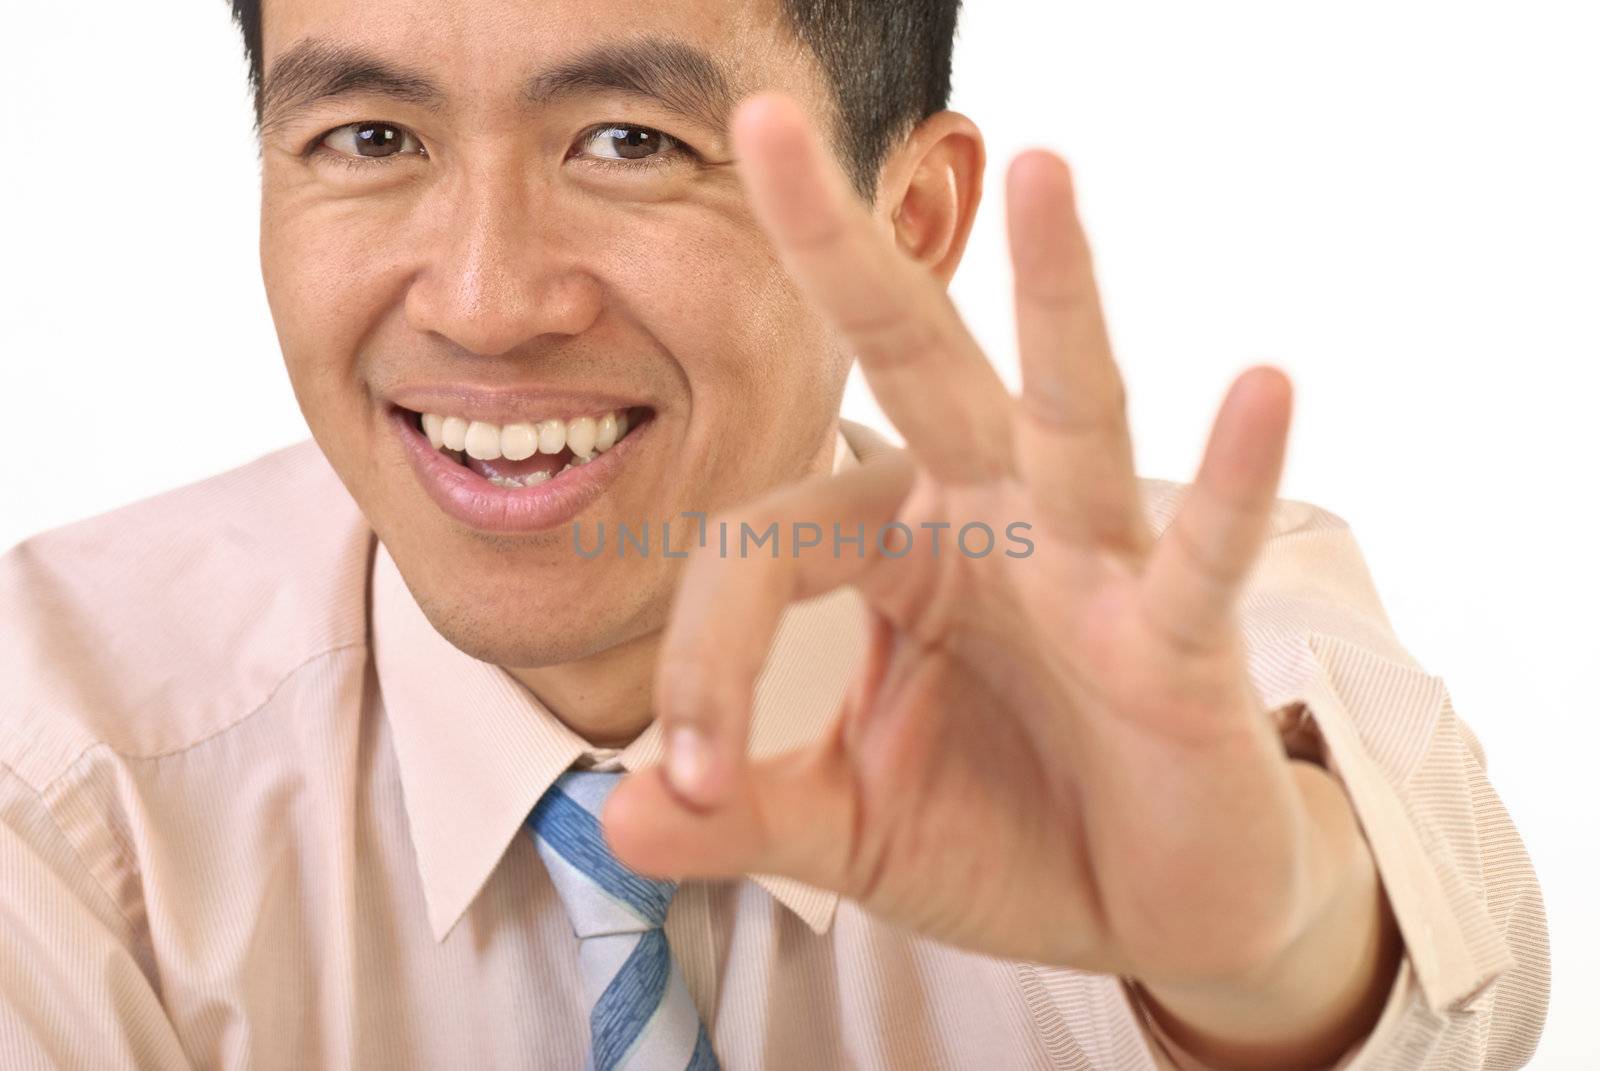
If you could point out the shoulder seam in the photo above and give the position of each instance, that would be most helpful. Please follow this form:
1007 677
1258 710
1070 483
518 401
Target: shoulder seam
197 741
42 792
259 707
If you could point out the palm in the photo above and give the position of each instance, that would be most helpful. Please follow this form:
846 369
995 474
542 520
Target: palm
972 758
1060 736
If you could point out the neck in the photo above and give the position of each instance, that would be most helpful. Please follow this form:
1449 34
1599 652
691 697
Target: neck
604 698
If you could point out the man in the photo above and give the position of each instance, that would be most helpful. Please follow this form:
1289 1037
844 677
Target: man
317 763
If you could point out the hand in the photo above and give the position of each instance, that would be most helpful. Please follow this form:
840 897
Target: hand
1057 758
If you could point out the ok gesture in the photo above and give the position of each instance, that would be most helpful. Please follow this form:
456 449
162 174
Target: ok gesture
1056 757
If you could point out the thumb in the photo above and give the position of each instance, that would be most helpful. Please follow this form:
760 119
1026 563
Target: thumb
790 815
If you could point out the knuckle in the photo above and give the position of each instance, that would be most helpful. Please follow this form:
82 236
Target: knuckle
1117 397
894 338
1190 639
1214 565
1056 298
818 234
680 697
1051 406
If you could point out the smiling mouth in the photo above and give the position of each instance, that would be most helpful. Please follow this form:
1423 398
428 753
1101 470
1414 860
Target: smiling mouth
527 453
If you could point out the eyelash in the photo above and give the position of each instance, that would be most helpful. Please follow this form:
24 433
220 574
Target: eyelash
676 146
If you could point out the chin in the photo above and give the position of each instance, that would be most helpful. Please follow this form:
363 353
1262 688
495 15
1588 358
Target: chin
510 640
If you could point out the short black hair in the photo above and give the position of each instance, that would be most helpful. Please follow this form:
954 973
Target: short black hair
888 62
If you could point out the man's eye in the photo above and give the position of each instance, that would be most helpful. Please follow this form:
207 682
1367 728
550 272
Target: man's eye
371 140
622 142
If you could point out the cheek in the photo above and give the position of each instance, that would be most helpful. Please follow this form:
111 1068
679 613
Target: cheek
758 363
721 304
328 285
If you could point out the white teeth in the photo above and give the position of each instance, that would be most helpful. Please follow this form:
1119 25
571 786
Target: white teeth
580 435
512 483
483 441
552 436
518 442
587 437
432 426
605 432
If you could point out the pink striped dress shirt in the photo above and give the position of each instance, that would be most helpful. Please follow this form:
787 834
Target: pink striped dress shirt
255 812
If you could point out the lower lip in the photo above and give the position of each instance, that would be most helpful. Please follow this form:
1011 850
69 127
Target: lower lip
477 503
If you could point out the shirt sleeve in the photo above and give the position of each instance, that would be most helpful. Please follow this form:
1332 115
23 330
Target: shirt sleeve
1473 988
73 992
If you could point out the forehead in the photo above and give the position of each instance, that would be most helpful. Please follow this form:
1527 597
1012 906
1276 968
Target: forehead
484 49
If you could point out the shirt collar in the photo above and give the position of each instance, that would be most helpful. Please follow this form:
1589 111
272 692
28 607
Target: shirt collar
476 749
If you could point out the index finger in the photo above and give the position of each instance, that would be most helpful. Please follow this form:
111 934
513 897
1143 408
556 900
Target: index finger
728 610
924 367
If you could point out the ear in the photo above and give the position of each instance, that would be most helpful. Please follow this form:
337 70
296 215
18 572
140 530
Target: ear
929 190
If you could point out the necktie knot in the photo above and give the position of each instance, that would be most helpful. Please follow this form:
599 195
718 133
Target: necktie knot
600 894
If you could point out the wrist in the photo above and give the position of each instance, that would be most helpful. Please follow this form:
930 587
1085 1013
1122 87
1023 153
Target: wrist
1320 993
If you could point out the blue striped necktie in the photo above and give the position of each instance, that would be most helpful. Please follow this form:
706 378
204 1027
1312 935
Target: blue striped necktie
641 1017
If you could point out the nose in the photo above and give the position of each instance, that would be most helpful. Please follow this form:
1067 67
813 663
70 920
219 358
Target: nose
500 274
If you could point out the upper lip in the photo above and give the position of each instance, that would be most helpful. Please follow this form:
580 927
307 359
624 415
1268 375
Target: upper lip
509 405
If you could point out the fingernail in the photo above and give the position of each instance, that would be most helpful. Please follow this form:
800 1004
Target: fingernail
688 760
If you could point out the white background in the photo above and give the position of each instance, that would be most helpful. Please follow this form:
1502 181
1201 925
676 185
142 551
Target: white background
1394 201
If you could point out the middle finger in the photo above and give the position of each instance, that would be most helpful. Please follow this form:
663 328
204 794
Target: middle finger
1074 448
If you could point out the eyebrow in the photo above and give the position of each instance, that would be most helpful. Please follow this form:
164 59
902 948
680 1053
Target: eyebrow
680 77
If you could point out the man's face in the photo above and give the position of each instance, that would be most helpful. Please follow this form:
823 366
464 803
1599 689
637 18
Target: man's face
536 230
